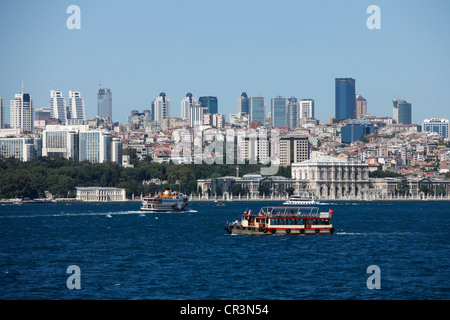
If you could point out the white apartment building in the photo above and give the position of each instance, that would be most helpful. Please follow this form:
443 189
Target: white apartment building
306 108
162 108
76 106
58 106
22 112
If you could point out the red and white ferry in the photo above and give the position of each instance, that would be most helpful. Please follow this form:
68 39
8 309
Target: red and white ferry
283 220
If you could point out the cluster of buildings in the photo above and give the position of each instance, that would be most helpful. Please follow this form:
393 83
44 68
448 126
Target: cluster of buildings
330 159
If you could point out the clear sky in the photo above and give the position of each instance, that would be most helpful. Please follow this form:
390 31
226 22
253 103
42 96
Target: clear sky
222 48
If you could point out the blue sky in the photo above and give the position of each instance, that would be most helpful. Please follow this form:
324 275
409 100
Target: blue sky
222 48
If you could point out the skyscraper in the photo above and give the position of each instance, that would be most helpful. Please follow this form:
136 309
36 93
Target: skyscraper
345 98
104 104
243 105
401 111
58 106
196 113
257 109
278 110
210 103
22 112
360 107
293 115
306 108
186 104
76 106
2 113
162 108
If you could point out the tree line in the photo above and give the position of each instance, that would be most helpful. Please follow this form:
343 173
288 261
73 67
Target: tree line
60 177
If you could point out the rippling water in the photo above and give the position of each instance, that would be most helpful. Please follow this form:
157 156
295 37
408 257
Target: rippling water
125 254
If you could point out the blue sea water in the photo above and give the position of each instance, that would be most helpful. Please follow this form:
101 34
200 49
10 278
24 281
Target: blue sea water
123 253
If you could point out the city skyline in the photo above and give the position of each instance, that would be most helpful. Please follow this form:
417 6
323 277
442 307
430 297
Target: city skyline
103 58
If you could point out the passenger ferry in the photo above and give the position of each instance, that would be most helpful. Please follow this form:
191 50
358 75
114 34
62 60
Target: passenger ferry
168 201
301 200
283 220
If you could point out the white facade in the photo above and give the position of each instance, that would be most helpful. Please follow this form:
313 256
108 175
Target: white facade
162 108
58 106
101 194
186 105
306 108
76 106
22 112
19 148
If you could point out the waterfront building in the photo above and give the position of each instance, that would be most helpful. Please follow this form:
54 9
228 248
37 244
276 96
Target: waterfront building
355 129
344 98
21 112
278 111
58 106
360 107
257 109
293 115
438 125
100 194
186 105
162 108
104 104
306 108
294 148
210 103
76 107
331 177
243 105
402 111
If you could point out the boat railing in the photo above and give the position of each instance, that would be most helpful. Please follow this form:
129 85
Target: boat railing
293 212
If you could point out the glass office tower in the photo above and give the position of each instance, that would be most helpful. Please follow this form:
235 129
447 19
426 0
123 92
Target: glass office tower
345 98
278 111
243 104
401 111
257 109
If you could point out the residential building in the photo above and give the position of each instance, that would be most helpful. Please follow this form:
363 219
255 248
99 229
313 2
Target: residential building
196 115
162 108
186 105
360 107
306 108
58 106
22 112
76 107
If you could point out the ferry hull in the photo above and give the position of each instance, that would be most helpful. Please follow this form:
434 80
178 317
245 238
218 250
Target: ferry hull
277 231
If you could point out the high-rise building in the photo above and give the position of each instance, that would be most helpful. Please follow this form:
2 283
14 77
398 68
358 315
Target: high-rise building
278 111
257 109
293 116
76 106
58 106
60 141
345 98
2 114
360 107
401 111
306 108
22 112
243 105
162 108
186 104
210 103
95 146
196 115
438 125
104 104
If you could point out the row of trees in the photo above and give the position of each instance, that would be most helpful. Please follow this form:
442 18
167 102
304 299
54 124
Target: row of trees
60 176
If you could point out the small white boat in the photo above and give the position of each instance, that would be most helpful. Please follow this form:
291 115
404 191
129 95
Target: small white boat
302 200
